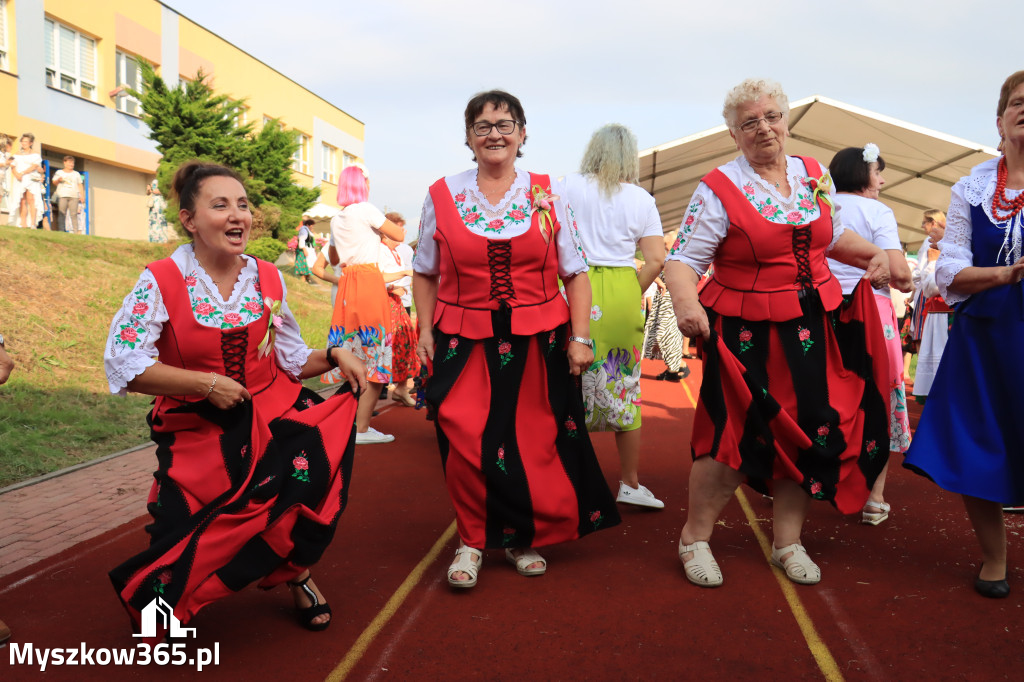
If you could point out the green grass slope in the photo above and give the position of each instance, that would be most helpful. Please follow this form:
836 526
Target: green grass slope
58 294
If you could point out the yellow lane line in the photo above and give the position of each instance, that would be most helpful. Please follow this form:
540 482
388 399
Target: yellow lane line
822 656
394 603
819 650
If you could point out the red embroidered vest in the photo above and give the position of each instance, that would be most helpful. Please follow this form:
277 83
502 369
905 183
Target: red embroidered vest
761 267
187 344
479 275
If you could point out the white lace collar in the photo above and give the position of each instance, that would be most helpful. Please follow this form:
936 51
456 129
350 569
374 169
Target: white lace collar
979 188
206 286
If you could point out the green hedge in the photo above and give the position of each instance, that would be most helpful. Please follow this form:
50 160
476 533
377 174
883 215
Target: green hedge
266 248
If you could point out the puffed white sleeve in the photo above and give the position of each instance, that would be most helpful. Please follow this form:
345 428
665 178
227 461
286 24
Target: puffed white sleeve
572 260
955 252
837 215
427 260
134 331
290 350
703 228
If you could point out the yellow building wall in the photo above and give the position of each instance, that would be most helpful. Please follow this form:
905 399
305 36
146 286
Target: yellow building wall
118 197
119 173
103 25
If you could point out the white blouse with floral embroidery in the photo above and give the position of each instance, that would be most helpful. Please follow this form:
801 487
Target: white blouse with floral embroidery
511 217
706 222
131 344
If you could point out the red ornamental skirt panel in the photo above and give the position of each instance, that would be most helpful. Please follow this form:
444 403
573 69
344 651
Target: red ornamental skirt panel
249 494
805 400
404 363
518 462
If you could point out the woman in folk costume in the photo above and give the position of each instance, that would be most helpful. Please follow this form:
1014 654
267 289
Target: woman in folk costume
253 469
970 437
362 315
616 219
857 174
794 397
396 266
936 314
493 243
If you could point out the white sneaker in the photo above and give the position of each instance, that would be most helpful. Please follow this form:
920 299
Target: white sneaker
372 435
641 496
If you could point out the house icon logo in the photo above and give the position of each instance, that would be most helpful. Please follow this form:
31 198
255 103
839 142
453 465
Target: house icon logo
157 615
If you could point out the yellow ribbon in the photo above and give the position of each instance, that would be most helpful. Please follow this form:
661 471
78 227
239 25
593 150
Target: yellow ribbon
822 190
274 309
540 198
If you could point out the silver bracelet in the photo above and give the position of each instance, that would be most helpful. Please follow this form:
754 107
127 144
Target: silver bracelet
212 384
584 341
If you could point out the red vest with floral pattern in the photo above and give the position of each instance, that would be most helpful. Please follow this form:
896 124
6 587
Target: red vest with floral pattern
761 268
479 275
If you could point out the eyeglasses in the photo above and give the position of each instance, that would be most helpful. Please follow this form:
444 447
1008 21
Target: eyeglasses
505 127
771 118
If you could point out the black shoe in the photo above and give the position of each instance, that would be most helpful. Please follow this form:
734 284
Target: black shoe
688 356
661 377
677 376
993 589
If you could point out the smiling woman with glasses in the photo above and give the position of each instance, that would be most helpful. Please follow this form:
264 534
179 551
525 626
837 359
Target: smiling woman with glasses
502 345
780 408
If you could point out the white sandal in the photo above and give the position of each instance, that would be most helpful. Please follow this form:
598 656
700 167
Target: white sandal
701 569
463 563
875 518
798 567
526 557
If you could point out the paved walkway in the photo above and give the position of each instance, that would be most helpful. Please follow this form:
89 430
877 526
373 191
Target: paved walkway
46 515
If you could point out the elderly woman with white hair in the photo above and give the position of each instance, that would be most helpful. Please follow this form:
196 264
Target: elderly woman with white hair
793 397
616 217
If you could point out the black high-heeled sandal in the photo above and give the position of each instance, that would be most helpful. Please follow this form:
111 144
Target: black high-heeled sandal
307 614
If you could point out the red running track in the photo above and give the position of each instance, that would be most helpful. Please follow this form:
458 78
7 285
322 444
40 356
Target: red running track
895 602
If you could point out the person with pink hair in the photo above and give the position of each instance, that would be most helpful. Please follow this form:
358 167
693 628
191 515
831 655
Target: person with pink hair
361 321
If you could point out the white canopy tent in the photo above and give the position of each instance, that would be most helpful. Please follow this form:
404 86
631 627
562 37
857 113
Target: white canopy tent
920 164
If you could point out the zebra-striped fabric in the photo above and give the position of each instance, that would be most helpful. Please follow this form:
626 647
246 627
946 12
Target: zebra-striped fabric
662 338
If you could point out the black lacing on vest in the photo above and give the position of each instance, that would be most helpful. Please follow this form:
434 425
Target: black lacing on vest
802 251
499 261
233 343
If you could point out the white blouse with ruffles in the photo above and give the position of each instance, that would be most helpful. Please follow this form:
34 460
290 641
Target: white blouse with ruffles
977 189
511 217
706 222
131 343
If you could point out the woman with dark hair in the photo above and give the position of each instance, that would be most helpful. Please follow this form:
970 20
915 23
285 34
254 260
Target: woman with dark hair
493 243
253 469
857 174
362 314
617 218
791 400
969 440
305 250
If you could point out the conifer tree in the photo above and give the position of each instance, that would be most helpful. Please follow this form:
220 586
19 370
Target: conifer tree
194 122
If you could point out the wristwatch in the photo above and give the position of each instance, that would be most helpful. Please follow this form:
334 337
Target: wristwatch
584 341
2 341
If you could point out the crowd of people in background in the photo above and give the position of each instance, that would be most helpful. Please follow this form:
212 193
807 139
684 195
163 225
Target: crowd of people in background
523 317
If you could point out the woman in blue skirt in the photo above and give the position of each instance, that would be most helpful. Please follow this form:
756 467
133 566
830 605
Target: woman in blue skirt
971 436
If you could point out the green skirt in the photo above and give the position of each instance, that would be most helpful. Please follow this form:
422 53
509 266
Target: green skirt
611 387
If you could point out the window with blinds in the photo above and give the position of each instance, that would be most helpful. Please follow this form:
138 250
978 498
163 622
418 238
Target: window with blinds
329 163
70 60
129 75
300 159
3 34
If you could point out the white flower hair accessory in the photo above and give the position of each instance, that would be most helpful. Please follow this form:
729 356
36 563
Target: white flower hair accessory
870 152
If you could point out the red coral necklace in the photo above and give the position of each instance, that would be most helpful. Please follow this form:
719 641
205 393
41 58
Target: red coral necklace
999 200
